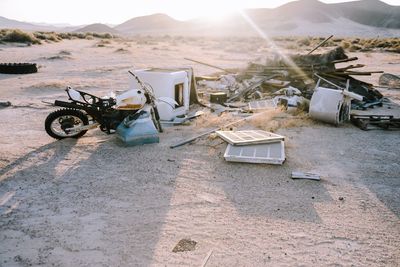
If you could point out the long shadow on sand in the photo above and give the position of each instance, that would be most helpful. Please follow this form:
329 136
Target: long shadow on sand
266 191
84 205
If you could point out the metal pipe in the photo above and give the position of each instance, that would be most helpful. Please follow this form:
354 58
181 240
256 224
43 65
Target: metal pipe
214 130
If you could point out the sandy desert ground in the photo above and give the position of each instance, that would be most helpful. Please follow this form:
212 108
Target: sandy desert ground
93 202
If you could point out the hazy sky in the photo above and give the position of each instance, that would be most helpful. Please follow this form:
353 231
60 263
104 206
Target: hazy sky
78 12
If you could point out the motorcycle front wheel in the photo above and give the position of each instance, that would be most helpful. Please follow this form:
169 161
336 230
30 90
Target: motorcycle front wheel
60 124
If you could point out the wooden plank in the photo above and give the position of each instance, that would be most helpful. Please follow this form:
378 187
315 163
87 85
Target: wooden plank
344 60
351 67
209 65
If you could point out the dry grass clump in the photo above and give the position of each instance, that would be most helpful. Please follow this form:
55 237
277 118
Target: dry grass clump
349 44
61 84
270 120
209 119
275 119
304 41
345 44
17 36
122 51
47 36
103 43
371 44
50 84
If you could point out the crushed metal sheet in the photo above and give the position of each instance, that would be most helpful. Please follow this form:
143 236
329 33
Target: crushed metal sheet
273 153
252 137
305 175
262 104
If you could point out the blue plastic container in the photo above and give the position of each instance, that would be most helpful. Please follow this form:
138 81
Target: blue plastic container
138 131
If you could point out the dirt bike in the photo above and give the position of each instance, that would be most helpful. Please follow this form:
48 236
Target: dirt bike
84 111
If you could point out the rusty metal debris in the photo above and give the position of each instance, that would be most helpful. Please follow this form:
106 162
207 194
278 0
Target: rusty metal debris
369 122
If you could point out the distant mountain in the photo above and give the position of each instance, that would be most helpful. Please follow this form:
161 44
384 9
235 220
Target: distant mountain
15 24
304 17
364 18
371 12
98 28
156 23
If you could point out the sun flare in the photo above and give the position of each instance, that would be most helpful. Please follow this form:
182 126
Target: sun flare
209 11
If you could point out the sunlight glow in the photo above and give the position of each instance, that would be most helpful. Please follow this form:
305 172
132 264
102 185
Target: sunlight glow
78 12
272 44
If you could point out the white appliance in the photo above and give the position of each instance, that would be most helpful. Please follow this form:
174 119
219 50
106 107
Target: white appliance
171 87
331 105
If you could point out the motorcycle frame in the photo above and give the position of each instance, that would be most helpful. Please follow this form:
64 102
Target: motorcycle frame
94 106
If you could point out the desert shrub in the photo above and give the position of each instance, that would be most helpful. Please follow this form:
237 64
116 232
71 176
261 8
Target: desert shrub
8 35
102 35
345 44
284 38
40 35
18 36
47 36
304 41
354 48
329 43
53 37
291 46
64 35
80 35
103 43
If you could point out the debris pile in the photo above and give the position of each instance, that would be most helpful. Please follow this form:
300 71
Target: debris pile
292 81
312 83
300 72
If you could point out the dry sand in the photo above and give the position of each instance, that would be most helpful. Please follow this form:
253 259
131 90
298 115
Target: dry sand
92 202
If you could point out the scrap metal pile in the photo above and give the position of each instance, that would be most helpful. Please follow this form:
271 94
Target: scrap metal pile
293 81
299 73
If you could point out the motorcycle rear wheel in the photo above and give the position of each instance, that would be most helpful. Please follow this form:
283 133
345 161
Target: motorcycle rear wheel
58 121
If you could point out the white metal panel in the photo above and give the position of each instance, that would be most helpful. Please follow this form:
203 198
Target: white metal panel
273 153
251 137
262 104
305 175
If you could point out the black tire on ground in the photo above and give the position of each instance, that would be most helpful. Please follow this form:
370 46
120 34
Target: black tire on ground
65 112
18 68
